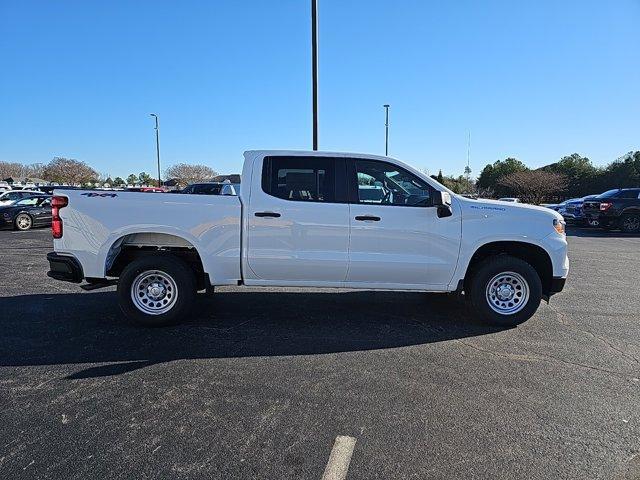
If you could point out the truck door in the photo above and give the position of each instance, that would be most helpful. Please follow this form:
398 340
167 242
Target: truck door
397 237
298 220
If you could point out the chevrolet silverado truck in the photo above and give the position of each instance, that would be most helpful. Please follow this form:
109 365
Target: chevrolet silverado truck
618 208
310 219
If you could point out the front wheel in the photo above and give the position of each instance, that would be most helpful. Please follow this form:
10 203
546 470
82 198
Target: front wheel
505 291
156 290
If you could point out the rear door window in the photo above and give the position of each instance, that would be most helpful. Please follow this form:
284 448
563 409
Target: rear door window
301 179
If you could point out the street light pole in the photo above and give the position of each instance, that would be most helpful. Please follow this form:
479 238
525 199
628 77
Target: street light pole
157 148
314 68
386 131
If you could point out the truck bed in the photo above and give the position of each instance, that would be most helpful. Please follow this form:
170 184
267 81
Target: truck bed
98 223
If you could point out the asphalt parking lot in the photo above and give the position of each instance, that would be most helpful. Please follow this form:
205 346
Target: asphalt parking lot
260 383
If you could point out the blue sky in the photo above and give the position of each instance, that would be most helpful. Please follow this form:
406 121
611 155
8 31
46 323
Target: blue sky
534 80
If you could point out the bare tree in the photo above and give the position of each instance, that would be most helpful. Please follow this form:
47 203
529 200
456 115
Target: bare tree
533 186
185 173
14 169
11 169
68 170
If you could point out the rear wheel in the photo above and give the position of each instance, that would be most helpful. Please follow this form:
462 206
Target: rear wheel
23 222
630 223
505 290
156 290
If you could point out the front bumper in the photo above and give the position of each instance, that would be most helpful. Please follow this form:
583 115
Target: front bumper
604 220
65 268
557 284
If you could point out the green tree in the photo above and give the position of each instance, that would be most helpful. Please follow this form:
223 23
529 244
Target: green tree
580 174
492 173
118 181
132 179
621 173
145 178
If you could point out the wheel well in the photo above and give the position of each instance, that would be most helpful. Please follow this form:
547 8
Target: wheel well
133 246
534 255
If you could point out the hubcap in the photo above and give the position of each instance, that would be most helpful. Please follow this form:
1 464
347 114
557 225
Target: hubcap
24 222
154 292
632 223
507 293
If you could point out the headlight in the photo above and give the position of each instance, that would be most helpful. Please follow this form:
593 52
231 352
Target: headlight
559 226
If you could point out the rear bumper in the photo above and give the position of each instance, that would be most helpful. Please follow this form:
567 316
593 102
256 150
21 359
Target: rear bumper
65 268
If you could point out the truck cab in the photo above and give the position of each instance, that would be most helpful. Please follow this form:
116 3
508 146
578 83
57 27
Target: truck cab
312 219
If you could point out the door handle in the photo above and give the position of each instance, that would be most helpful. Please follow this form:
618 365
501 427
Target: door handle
267 214
364 218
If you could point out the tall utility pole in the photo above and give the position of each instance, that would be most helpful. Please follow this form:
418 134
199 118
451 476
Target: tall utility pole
314 68
157 148
386 131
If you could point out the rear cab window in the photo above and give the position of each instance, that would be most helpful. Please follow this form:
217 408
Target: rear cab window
304 179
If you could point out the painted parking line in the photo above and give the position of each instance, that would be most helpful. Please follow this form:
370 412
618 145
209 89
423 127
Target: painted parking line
339 459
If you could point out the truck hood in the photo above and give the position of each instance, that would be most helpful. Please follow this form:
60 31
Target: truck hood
511 206
517 218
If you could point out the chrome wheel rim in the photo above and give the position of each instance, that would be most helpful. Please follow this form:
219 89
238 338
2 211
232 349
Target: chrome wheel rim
507 293
154 292
23 222
632 223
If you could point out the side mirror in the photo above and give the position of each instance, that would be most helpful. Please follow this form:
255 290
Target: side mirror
442 201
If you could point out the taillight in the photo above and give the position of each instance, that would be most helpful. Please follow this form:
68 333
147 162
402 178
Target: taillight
605 206
57 203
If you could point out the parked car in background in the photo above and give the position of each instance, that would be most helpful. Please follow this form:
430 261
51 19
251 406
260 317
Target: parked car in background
618 208
568 209
48 189
12 196
210 188
26 213
552 206
509 199
145 189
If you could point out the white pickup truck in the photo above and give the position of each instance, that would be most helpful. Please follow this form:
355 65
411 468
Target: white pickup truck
310 219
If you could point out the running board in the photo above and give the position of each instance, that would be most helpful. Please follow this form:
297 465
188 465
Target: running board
99 283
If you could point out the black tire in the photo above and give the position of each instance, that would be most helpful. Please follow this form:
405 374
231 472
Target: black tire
172 276
630 223
28 222
486 273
